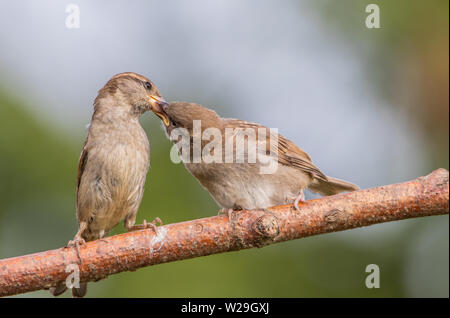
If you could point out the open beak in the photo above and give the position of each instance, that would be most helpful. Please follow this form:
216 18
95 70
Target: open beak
157 105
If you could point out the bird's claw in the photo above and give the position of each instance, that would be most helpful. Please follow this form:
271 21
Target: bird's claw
146 225
76 242
298 199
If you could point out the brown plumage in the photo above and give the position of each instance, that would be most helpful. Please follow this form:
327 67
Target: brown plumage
242 185
114 161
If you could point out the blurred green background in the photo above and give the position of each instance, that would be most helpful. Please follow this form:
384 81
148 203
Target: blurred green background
369 105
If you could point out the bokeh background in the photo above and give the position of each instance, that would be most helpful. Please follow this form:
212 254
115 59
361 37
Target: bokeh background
369 105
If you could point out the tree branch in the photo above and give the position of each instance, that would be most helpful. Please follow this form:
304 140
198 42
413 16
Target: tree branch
423 196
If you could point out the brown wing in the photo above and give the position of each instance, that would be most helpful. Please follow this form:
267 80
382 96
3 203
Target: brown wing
82 165
289 154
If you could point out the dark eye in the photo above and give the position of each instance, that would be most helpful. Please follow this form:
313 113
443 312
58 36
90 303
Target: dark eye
148 85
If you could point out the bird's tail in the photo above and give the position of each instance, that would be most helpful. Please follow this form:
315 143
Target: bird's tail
76 292
80 291
58 290
331 186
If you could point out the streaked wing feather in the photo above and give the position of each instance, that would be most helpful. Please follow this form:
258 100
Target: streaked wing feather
81 165
289 154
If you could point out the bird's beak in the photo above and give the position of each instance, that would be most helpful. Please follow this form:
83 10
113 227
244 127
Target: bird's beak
157 105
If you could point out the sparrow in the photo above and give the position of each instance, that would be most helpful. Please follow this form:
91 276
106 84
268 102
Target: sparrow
244 184
114 162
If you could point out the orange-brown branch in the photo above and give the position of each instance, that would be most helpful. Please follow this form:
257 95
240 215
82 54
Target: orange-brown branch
423 196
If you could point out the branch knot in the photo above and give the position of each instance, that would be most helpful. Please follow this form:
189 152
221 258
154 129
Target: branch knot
267 226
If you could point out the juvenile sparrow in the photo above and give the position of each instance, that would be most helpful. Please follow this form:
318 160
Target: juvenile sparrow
241 184
114 161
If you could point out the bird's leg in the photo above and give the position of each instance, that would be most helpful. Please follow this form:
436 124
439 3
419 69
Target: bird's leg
235 208
290 199
300 198
78 240
230 213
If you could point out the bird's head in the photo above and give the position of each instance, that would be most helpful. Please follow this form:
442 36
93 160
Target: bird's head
131 93
183 115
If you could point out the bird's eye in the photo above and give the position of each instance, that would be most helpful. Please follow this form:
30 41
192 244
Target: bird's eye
148 85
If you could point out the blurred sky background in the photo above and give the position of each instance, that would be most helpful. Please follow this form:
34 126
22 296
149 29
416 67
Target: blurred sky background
370 106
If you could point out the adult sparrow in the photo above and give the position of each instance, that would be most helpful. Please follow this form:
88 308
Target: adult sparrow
114 161
278 175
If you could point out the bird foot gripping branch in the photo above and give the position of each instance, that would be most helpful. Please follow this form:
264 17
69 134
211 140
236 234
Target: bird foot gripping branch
146 225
